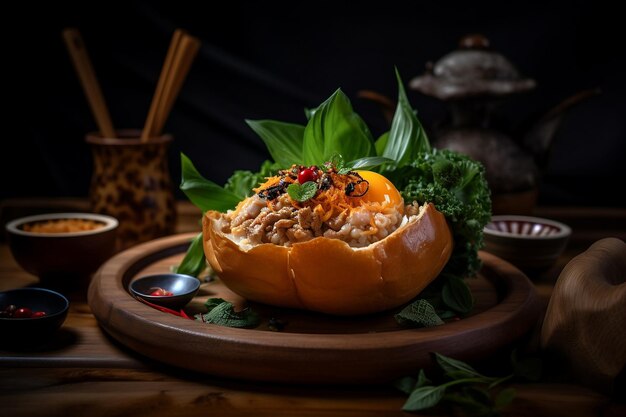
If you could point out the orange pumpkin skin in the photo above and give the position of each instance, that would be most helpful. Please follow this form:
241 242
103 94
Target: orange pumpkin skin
327 275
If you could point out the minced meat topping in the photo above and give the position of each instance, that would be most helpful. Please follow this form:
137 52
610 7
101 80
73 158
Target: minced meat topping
335 211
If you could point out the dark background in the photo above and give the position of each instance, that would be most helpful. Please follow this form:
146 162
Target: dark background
271 60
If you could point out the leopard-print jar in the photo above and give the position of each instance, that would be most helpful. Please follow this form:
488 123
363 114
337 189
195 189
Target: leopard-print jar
131 182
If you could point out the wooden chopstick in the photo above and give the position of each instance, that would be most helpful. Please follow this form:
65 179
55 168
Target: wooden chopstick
148 129
183 59
88 80
180 56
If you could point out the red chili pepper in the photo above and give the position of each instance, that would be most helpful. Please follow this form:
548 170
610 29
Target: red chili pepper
160 292
180 313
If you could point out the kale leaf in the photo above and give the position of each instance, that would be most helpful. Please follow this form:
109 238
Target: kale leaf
242 182
456 185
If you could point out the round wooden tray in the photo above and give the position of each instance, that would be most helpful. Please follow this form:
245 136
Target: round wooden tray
312 347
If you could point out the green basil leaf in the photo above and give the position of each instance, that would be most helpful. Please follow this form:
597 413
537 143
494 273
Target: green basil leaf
224 314
204 194
407 137
457 295
457 369
424 397
283 140
419 313
422 380
194 261
381 143
335 128
368 162
302 192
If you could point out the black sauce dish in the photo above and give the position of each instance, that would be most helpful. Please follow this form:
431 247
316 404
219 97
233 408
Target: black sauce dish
183 289
24 330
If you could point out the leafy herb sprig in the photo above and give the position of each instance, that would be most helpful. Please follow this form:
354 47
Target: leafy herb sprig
302 192
447 297
466 388
222 313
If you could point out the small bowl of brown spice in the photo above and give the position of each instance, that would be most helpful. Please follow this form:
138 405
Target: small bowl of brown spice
62 246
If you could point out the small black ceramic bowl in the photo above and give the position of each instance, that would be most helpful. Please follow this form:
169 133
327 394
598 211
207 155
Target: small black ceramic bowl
31 331
183 287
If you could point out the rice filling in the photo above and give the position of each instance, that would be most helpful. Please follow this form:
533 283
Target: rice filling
255 221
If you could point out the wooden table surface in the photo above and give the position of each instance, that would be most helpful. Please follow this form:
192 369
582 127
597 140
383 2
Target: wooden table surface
84 372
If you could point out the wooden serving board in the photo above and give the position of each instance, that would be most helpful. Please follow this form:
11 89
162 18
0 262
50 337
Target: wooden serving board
312 347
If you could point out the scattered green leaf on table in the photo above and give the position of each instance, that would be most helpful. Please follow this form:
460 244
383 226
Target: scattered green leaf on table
458 369
424 397
466 388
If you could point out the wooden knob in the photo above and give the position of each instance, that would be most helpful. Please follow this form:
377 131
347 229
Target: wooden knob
474 41
586 317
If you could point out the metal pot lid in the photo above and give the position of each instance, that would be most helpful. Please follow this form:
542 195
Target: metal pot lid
472 70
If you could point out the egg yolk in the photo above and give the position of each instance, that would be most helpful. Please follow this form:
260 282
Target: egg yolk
380 189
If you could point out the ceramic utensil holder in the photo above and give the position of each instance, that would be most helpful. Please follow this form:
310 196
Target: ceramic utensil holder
131 182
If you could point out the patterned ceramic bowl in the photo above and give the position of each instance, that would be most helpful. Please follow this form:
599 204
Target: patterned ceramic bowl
530 243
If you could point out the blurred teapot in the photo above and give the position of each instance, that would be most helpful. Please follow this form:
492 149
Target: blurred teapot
473 80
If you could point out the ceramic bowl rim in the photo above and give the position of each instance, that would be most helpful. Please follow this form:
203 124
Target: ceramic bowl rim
110 223
62 311
563 232
148 297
